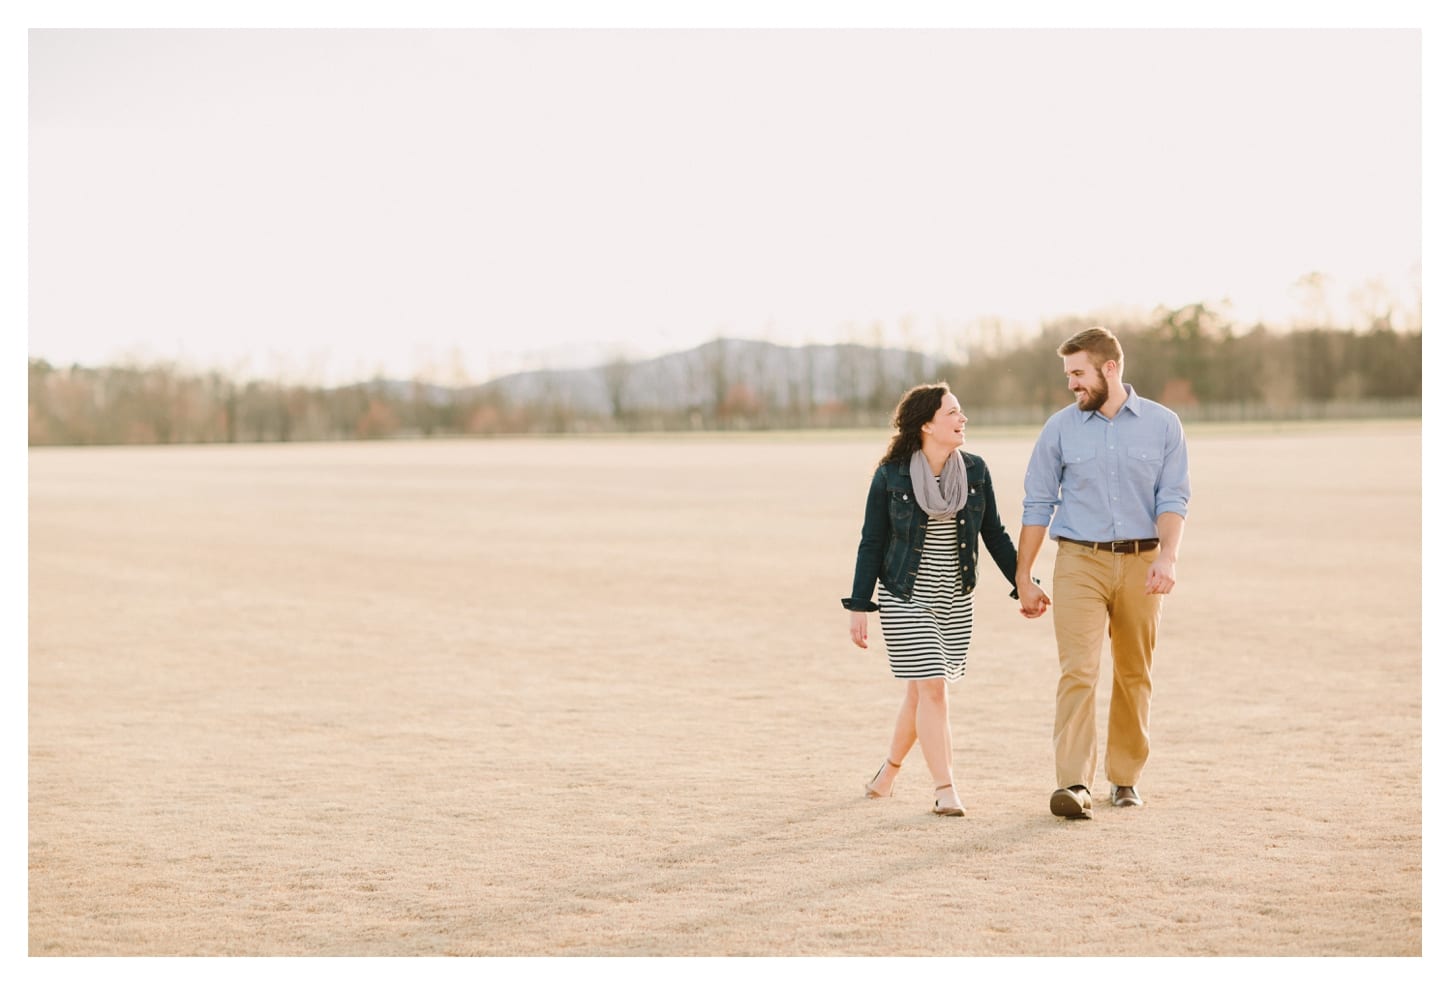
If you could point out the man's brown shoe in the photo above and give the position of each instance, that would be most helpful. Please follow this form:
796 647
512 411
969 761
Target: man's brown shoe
1126 796
1074 803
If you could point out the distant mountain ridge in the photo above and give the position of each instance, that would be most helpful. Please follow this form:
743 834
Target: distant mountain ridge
711 375
1184 358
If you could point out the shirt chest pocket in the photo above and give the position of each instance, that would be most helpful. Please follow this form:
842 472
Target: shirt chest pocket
1079 468
1144 461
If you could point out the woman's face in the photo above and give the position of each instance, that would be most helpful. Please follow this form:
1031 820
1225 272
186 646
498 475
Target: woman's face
948 426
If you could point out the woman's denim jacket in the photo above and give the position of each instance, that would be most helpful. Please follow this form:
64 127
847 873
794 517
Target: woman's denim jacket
895 531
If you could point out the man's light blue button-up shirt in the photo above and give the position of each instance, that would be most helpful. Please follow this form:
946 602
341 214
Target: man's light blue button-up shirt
1107 479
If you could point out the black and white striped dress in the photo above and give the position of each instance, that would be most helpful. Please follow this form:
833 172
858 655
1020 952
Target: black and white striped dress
928 635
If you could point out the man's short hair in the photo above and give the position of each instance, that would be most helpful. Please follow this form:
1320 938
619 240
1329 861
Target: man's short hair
1099 343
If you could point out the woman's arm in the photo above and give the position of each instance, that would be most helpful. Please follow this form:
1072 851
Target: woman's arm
875 528
995 535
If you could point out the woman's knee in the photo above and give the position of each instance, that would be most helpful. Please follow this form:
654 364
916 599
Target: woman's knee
933 691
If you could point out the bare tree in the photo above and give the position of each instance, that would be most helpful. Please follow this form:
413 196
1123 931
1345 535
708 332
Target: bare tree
1312 290
616 372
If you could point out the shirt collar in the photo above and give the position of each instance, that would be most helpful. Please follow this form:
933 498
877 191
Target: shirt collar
1134 403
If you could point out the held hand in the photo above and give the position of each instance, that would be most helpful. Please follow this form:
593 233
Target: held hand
858 629
1033 601
1160 578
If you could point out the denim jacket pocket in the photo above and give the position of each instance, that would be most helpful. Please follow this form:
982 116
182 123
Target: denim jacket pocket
902 510
976 497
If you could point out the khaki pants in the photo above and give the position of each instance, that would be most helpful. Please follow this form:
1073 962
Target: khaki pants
1092 590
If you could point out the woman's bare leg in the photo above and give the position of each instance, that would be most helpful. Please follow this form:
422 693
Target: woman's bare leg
902 739
935 733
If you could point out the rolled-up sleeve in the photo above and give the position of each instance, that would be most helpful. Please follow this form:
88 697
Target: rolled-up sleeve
1173 485
1043 482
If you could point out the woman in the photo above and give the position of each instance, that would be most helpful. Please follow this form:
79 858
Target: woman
929 502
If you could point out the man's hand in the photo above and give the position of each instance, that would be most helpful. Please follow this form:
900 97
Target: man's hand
1160 577
1033 600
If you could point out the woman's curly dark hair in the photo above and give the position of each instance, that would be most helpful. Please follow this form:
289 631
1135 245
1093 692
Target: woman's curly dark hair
916 407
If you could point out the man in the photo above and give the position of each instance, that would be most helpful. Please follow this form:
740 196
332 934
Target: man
1113 467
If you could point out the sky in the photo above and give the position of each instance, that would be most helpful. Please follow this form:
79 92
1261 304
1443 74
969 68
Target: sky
332 204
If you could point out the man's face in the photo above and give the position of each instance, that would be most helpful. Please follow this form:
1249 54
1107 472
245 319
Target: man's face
1085 381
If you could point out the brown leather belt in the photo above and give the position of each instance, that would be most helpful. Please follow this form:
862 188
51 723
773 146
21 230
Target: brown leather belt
1117 546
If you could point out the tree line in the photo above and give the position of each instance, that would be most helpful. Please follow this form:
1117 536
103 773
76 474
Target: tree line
1190 358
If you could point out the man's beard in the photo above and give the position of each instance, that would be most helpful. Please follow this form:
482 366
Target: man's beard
1097 395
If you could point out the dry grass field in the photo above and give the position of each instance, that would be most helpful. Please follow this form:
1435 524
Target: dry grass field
596 697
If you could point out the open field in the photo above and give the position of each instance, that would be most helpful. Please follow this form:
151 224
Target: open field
596 697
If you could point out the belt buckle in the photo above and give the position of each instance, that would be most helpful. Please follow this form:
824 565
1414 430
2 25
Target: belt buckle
1113 546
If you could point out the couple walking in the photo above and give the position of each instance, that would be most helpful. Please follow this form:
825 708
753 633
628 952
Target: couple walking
1109 472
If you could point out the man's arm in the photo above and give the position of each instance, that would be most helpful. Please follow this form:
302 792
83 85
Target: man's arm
1174 490
1029 543
1163 573
1042 486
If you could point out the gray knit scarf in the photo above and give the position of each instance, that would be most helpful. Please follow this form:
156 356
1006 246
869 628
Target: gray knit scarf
944 500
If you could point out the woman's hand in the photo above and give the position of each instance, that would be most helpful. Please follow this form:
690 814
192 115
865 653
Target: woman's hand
858 629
